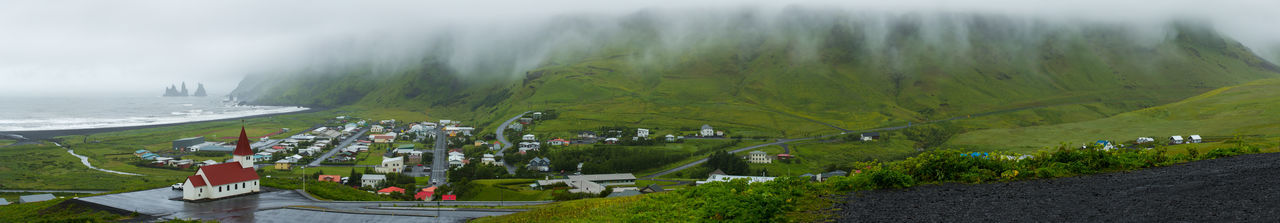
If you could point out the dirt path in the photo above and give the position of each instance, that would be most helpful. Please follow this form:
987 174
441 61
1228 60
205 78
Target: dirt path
1233 189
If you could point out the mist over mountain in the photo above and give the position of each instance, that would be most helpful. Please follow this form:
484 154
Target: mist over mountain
839 66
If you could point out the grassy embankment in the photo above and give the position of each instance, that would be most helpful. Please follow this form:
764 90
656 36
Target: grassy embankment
796 200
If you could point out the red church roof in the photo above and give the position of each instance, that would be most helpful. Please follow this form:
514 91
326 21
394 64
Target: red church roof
242 146
227 173
196 181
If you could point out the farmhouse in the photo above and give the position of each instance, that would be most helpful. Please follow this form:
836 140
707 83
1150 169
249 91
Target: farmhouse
586 134
869 136
759 157
1175 140
671 138
224 180
642 133
1195 139
707 131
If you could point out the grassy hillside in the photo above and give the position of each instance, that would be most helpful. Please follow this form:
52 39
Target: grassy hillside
1243 110
833 69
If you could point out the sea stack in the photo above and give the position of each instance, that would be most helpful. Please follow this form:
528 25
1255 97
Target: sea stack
200 91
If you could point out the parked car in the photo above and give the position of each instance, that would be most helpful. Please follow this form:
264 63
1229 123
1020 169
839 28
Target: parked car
177 186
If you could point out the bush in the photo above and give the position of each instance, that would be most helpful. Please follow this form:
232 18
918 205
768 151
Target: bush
891 179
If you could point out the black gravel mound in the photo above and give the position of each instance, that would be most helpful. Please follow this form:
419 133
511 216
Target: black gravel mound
1235 189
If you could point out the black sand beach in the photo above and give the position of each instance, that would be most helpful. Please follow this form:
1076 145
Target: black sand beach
32 136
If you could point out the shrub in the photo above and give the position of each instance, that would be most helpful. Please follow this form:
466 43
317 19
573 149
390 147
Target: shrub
891 179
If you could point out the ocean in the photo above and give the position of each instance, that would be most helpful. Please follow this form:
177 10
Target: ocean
62 113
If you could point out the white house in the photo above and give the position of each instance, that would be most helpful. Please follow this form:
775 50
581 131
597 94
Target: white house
671 138
224 180
526 146
759 157
489 159
727 178
611 141
455 159
1142 140
528 137
707 131
1195 139
372 180
377 128
390 165
1175 140
642 133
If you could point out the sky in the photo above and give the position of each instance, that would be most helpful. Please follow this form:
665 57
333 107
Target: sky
69 48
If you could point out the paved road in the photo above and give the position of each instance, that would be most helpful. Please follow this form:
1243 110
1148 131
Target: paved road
511 168
440 161
335 149
161 202
56 191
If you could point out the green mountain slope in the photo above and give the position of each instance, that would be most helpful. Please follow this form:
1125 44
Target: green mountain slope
1222 113
792 76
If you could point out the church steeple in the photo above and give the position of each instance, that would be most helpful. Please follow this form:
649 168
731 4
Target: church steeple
243 153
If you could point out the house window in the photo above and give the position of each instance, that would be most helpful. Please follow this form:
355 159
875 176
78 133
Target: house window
219 188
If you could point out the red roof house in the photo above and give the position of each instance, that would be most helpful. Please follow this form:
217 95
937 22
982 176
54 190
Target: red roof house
391 189
423 195
331 178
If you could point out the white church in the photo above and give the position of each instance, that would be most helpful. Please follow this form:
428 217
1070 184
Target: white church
226 179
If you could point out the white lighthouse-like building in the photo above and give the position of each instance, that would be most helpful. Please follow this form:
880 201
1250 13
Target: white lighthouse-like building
227 179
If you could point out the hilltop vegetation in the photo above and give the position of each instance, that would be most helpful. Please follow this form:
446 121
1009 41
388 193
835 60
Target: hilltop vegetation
786 76
1225 113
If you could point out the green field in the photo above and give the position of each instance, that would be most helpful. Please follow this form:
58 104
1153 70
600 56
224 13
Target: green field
1243 110
5 142
47 167
817 157
506 190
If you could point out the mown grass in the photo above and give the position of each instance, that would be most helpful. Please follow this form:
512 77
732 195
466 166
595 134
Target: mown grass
507 190
5 142
1222 113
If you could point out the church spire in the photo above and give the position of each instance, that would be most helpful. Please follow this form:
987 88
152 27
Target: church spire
242 146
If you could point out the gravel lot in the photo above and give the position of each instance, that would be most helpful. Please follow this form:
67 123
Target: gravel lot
1235 189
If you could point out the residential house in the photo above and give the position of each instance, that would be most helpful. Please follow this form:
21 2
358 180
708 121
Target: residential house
372 180
1142 140
404 148
35 198
526 121
489 159
456 159
727 178
671 138
537 115
707 131
414 157
283 164
383 138
224 180
454 130
387 191
330 178
652 188
558 142
642 133
426 194
1194 139
529 137
516 126
377 129
208 162
759 157
1175 140
586 134
526 146
611 141
390 165
869 136
540 164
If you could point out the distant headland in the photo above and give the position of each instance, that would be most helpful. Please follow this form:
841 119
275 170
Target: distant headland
174 91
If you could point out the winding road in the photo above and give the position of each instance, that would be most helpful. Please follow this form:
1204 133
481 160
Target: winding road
511 169
85 161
